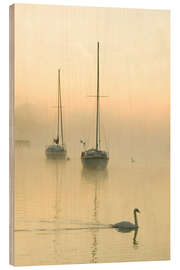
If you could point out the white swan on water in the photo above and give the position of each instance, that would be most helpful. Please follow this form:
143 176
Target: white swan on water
126 226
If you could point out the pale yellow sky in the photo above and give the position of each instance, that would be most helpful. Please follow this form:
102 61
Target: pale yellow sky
134 62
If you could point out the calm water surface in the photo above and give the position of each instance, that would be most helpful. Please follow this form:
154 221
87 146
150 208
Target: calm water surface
62 212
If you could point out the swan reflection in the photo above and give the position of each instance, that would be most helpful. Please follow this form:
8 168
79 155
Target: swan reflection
135 243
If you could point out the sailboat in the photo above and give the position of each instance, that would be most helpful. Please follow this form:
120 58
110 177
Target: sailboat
57 149
96 158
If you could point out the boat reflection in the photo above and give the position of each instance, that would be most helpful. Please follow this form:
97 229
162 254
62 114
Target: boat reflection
94 179
94 175
57 166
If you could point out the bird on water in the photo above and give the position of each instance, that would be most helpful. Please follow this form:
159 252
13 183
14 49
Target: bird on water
126 226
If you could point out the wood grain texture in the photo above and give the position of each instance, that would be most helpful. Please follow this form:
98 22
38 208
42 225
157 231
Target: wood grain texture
11 133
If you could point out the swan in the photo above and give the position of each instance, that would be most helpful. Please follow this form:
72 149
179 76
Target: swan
126 226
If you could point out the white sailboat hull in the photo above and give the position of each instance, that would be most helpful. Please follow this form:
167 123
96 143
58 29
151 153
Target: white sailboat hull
55 151
94 159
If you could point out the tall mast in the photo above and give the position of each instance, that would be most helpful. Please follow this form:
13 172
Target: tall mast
97 113
60 107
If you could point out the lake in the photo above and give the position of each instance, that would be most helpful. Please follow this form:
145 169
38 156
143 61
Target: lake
63 212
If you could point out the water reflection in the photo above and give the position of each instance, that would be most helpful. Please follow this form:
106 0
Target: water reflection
94 175
57 166
135 243
95 178
60 209
94 258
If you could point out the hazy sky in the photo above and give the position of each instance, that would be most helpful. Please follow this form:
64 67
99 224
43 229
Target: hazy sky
134 67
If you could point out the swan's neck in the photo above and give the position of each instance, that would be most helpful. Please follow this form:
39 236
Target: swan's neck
135 219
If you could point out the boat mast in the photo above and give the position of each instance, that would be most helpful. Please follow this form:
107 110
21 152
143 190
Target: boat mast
60 107
57 140
97 113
